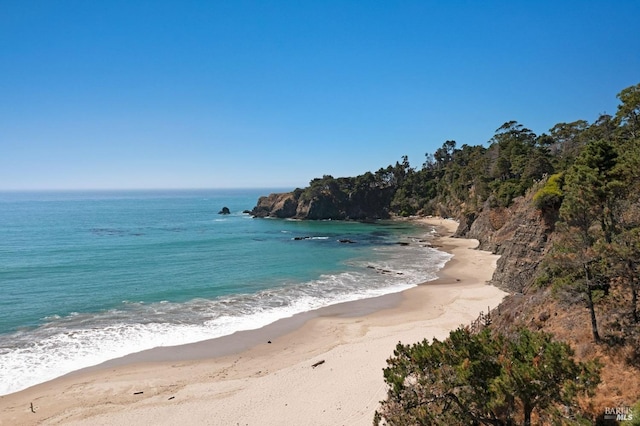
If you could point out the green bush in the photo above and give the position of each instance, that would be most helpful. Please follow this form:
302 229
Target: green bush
550 195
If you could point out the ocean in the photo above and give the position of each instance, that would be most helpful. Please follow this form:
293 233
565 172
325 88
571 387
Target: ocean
90 276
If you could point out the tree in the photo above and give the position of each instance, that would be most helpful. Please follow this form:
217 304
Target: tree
605 128
594 187
429 161
538 373
483 379
442 382
579 212
568 139
628 113
591 215
537 165
443 154
516 161
625 247
625 251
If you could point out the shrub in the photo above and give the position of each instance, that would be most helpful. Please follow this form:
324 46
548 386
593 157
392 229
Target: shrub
550 195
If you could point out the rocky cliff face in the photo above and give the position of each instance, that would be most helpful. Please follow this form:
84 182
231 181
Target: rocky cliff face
336 205
520 234
276 205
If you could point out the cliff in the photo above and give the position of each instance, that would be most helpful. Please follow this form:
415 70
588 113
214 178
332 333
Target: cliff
520 234
282 205
329 203
508 195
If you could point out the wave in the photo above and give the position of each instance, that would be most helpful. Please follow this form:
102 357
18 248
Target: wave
78 340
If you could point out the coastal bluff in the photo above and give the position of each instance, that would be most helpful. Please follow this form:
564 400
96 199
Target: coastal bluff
521 234
325 204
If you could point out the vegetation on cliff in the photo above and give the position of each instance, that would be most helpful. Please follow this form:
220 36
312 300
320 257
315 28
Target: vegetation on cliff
454 180
562 209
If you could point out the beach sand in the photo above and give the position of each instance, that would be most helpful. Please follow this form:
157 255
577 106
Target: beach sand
244 380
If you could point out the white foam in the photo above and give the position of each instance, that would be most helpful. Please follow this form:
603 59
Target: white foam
66 344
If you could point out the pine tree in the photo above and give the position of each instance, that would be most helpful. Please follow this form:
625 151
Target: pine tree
483 379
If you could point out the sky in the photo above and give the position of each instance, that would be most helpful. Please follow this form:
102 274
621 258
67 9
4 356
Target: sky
228 94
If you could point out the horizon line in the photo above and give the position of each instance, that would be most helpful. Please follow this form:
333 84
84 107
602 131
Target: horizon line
230 188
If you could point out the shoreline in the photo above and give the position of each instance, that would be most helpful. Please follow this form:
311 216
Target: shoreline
243 379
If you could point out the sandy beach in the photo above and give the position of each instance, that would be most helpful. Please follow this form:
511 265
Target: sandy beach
318 369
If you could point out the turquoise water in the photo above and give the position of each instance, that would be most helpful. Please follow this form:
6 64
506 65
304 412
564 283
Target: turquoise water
90 276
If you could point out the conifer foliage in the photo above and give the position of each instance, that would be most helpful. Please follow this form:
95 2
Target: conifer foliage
587 183
484 379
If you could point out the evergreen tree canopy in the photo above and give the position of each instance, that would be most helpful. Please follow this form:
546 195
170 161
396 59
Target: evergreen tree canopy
484 379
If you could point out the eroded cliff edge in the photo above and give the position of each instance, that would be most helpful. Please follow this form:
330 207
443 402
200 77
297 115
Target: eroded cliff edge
326 203
520 233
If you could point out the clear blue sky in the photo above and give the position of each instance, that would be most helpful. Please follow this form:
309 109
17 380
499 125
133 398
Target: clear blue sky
205 94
